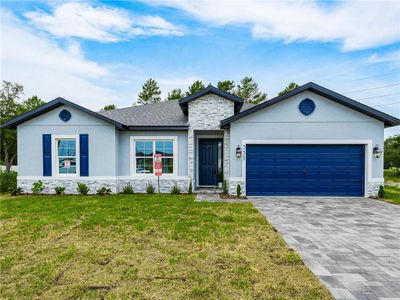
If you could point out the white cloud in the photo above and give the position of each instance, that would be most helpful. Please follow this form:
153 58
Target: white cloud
99 23
47 70
390 57
356 25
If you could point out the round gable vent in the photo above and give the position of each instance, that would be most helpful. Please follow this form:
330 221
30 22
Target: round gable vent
307 106
65 115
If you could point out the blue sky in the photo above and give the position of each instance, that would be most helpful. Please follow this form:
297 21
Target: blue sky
100 52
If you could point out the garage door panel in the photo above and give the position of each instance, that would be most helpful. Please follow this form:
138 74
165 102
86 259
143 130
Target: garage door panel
324 170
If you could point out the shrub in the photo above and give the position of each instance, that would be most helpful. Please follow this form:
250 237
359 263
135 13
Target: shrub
8 181
190 188
175 190
220 176
149 188
82 188
396 171
381 192
59 190
17 191
225 188
238 190
37 187
127 189
103 191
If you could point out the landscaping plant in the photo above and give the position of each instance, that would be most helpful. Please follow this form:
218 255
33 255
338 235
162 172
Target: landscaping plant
238 190
127 189
59 190
149 188
103 191
190 188
17 191
175 190
381 192
225 188
8 181
37 187
82 188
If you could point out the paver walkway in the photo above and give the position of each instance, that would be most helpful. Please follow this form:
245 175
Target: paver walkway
351 244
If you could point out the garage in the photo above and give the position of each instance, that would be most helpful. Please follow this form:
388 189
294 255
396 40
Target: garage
304 170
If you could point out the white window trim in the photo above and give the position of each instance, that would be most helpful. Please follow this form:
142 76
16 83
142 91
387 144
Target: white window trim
55 170
132 156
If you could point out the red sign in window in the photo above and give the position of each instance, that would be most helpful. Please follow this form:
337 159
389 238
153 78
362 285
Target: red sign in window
157 165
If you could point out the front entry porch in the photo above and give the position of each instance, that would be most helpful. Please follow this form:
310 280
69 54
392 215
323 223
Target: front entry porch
209 161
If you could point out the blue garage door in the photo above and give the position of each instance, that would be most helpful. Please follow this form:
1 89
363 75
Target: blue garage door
305 170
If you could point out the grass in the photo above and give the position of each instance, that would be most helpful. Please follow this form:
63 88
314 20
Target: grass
392 187
145 247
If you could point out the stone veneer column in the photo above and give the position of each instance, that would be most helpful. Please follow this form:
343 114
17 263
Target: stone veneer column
206 113
226 154
191 154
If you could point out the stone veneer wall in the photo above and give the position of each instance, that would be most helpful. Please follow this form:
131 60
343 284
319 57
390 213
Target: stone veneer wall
116 185
226 155
206 113
69 184
373 188
233 182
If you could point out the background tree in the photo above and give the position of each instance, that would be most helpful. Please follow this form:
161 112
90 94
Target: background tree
150 93
10 94
392 152
248 90
32 103
175 94
227 86
195 87
109 107
287 89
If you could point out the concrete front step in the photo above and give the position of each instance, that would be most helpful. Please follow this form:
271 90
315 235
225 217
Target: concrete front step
208 190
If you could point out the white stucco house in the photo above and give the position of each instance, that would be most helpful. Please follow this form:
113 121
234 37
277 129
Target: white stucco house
309 142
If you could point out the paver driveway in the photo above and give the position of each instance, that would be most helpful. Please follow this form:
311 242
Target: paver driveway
351 244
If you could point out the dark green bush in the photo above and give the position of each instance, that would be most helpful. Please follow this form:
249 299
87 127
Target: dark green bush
238 190
103 191
82 188
381 192
127 189
175 190
190 188
59 190
8 181
149 188
225 187
37 187
17 191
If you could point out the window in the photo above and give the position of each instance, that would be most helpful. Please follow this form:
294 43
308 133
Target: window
144 150
66 160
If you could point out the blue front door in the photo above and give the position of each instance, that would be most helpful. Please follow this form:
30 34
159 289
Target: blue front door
208 162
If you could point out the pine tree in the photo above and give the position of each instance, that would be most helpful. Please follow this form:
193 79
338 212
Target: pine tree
227 86
195 87
150 93
109 107
248 90
287 89
175 94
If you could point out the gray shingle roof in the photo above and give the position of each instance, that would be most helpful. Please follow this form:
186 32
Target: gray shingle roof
167 113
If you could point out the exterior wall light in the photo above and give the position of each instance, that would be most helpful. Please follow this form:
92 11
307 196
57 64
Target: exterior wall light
376 151
238 152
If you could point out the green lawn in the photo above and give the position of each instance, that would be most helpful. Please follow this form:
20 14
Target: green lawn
392 187
145 246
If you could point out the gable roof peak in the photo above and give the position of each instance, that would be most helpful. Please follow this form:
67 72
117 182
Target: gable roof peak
388 120
238 102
